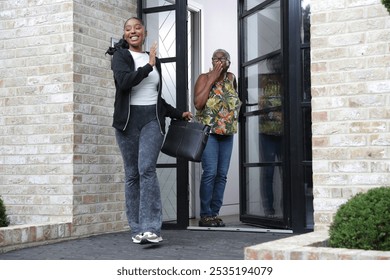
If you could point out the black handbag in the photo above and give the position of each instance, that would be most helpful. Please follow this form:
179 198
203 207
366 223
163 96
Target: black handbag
186 140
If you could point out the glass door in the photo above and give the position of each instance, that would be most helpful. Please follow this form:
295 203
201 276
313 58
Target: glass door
275 125
263 119
166 23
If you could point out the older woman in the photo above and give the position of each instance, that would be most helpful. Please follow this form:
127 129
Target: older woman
218 105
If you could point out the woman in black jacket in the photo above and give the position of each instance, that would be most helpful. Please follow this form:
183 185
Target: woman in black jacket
139 122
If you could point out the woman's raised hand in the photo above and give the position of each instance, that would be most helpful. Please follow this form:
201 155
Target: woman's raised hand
152 54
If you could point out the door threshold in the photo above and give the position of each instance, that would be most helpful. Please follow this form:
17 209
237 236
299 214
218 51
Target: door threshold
240 229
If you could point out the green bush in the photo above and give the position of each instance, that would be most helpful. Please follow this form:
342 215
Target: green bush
4 221
386 3
363 222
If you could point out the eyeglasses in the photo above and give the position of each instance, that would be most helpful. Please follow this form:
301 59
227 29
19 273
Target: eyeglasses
222 59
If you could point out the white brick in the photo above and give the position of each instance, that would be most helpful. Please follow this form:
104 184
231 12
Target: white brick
357 67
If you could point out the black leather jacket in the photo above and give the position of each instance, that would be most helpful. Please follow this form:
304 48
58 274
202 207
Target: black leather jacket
126 76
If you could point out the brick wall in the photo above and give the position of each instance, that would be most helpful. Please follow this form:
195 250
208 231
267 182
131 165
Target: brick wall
98 183
36 126
58 158
350 52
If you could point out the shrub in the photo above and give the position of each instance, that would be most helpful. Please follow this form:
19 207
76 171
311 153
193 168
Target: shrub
386 3
4 221
363 222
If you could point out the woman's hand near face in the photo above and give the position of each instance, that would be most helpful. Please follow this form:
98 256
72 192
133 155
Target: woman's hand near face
204 83
215 73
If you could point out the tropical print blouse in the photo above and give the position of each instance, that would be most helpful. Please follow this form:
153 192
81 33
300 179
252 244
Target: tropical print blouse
221 109
270 105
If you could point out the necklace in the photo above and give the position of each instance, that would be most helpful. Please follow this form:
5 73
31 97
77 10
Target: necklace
220 83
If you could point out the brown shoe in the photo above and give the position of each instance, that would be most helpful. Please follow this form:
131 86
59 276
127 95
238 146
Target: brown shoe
207 222
219 221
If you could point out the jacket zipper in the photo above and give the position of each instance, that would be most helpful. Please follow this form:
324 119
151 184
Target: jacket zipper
128 116
157 116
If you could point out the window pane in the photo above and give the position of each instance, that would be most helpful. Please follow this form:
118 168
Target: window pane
252 142
249 4
161 27
265 192
253 77
167 181
262 32
157 3
169 82
262 147
169 94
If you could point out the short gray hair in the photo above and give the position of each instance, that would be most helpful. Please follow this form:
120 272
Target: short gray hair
227 55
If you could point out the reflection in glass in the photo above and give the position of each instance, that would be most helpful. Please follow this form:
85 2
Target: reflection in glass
257 200
270 132
306 75
266 151
161 27
306 119
266 129
263 77
305 22
262 32
253 76
309 196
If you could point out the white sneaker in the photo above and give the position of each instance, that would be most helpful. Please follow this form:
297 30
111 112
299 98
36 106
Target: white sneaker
137 239
151 237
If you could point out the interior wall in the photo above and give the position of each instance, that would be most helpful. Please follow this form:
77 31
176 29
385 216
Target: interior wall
219 31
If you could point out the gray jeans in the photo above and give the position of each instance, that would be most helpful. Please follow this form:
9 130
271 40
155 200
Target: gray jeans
140 146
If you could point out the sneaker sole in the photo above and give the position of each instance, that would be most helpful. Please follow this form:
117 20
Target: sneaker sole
155 240
144 241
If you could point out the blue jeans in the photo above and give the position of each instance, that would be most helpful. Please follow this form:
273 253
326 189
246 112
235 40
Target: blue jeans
270 151
140 146
215 165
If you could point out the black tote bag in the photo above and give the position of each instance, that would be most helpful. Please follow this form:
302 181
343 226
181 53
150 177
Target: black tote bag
186 140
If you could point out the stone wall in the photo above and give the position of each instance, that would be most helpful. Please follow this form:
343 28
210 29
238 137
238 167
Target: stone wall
350 71
58 159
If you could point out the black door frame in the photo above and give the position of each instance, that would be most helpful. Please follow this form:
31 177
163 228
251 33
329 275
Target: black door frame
181 60
300 124
244 217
